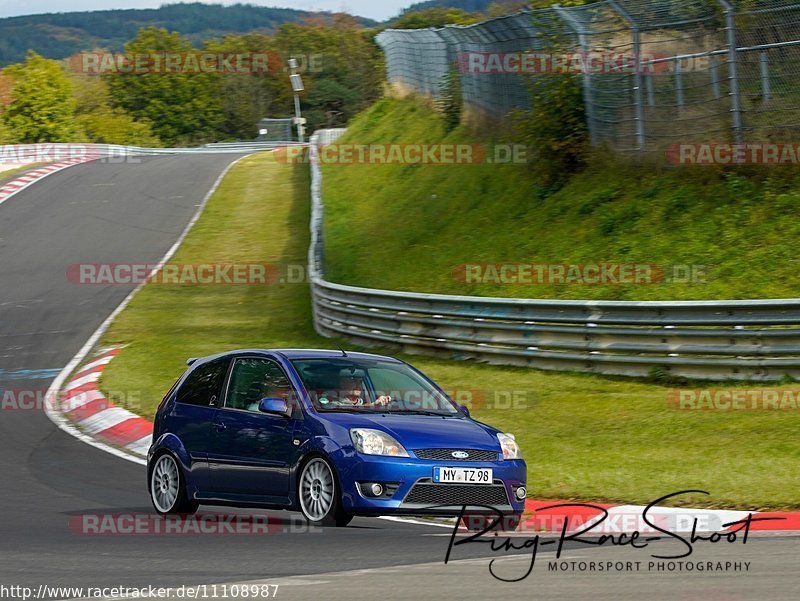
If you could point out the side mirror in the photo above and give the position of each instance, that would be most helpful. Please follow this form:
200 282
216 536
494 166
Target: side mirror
274 407
463 408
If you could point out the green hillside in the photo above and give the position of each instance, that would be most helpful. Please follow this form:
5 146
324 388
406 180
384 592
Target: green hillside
412 227
60 35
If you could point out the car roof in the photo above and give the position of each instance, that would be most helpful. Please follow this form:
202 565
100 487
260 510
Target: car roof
292 354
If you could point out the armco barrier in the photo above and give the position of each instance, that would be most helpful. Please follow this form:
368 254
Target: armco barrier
69 151
718 340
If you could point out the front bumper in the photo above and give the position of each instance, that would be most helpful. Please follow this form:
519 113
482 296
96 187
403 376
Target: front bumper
413 475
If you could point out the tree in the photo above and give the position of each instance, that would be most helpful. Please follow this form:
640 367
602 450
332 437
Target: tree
435 17
100 122
499 9
247 98
184 107
346 73
6 136
42 105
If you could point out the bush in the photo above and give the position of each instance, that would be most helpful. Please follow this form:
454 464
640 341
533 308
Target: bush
451 103
555 128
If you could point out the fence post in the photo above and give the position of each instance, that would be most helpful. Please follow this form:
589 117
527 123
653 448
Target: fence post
679 85
763 62
588 101
714 71
733 71
637 75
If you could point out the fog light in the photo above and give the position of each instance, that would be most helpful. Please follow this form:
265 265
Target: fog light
521 493
376 489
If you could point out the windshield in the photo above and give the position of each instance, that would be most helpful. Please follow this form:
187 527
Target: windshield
365 385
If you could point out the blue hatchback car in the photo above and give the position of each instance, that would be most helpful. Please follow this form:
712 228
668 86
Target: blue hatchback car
329 433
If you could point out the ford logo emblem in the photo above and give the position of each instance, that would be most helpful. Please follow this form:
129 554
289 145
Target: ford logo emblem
460 454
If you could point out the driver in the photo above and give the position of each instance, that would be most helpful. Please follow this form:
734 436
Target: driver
351 394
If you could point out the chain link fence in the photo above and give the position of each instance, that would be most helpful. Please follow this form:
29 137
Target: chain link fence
657 75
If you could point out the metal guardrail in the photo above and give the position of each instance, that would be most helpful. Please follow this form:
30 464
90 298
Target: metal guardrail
70 151
717 340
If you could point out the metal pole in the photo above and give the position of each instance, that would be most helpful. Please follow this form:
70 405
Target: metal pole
588 103
714 70
296 87
298 114
637 76
733 71
679 84
766 91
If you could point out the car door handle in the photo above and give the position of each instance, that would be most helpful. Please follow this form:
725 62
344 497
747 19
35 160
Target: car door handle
220 427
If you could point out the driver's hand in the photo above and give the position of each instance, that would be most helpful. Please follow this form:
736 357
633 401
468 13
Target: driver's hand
383 400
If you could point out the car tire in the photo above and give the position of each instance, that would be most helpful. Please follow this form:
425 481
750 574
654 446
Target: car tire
168 487
319 494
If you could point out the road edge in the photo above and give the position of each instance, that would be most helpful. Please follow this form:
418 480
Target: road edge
52 410
27 179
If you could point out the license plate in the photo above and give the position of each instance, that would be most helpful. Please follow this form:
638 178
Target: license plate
462 475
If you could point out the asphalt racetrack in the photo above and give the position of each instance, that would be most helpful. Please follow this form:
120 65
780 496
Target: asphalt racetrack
133 213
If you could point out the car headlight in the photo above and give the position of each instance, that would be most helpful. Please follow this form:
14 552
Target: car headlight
510 447
375 442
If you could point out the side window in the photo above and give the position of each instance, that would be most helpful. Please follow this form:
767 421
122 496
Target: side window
204 383
256 379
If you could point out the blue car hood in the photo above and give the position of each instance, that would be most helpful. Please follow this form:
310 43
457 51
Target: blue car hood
424 431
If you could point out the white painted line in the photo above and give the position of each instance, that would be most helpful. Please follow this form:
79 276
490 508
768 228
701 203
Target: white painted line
78 382
97 363
105 419
141 446
81 400
55 416
629 518
419 522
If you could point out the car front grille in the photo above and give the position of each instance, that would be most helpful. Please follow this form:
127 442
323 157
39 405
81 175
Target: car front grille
429 493
447 455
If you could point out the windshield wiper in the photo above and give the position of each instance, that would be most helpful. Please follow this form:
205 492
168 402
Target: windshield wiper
420 412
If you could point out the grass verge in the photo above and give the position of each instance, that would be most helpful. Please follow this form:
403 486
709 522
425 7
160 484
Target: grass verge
584 436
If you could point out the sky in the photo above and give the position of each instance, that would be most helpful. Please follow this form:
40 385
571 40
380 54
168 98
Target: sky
376 9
